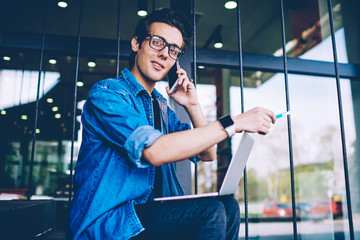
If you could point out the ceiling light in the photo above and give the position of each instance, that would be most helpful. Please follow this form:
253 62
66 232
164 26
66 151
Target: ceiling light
6 58
24 117
3 112
62 4
37 130
55 109
218 40
142 13
92 63
258 74
215 38
230 5
142 8
218 45
80 84
52 61
58 115
50 100
201 67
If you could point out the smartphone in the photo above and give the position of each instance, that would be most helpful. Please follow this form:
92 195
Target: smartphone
173 76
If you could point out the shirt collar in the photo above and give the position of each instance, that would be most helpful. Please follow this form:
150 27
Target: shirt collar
130 79
136 87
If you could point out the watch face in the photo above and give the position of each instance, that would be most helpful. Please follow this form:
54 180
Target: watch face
226 121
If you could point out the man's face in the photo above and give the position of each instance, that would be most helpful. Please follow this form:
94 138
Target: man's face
151 65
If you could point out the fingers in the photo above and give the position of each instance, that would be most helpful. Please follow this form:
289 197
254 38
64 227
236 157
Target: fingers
182 76
266 119
265 129
183 80
256 120
271 114
167 89
267 114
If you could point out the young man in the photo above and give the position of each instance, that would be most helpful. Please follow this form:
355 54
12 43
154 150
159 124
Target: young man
131 140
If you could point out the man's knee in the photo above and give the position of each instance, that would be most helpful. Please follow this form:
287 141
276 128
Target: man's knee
215 211
231 205
232 210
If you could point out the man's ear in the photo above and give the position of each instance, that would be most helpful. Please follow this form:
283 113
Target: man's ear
134 44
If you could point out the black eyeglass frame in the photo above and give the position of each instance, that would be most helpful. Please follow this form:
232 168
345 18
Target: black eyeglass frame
166 45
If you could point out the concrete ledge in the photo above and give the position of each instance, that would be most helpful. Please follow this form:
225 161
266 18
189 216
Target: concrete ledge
21 219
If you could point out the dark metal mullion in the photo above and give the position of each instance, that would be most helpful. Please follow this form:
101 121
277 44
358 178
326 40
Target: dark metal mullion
241 72
346 172
194 77
288 120
30 183
75 101
118 41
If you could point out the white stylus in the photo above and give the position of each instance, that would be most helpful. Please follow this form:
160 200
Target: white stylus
175 85
282 114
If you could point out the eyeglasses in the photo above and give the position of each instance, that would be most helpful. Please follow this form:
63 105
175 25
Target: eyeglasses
158 43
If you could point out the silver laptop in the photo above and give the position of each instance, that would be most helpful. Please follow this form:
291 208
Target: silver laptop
233 173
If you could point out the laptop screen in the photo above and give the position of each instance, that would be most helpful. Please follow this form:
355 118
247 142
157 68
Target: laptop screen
237 165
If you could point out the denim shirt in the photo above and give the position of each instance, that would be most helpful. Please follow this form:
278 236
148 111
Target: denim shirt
110 175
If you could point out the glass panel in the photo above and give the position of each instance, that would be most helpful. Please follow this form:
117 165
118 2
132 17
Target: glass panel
307 26
27 18
306 22
100 20
351 111
319 172
207 177
318 154
19 80
211 30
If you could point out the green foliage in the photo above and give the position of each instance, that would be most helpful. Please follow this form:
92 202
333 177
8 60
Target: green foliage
256 187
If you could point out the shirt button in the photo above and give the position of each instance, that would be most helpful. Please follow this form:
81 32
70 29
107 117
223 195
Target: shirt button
149 117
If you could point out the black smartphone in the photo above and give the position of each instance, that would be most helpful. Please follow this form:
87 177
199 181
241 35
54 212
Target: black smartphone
173 76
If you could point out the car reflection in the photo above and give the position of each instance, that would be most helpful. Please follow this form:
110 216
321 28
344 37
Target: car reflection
326 208
307 210
277 209
304 209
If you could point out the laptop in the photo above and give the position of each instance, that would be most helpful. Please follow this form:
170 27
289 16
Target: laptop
233 174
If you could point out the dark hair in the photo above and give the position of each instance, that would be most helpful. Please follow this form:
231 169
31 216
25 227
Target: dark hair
172 17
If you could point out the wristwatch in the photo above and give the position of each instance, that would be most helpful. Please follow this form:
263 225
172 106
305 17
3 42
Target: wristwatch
228 124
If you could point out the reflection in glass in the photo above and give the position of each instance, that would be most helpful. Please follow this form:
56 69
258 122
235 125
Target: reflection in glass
20 86
18 89
319 171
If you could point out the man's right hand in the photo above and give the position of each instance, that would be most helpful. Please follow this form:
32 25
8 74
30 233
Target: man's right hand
256 120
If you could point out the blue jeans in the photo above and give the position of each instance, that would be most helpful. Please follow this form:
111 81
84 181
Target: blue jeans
203 218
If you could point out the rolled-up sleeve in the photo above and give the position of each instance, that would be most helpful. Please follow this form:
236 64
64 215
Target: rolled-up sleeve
141 138
120 122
